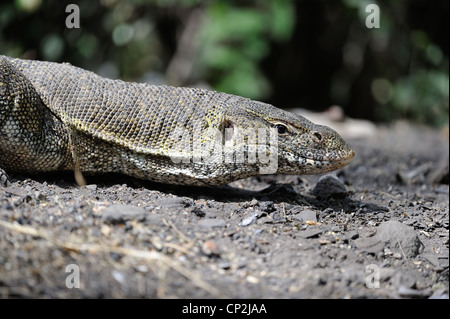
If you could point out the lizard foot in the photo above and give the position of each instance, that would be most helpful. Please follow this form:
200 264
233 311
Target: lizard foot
4 179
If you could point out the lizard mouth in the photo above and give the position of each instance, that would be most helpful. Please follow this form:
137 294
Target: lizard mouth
346 158
330 163
349 157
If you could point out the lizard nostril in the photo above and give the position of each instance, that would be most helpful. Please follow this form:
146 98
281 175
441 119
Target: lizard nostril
317 136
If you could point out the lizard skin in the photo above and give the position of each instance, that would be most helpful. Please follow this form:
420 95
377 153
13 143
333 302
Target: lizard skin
56 117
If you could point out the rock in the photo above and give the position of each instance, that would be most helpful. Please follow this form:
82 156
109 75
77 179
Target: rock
306 215
267 206
224 264
371 245
416 175
120 213
329 186
210 248
439 294
406 292
91 187
212 223
13 190
398 237
439 171
173 203
312 232
250 219
348 236
153 219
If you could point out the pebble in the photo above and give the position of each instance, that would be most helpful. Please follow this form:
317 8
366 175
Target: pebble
120 213
13 190
224 264
267 206
212 223
398 237
306 215
91 187
173 204
209 248
329 186
119 276
311 232
413 293
153 219
249 219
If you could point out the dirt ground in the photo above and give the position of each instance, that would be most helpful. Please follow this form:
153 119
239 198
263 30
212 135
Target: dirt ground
378 229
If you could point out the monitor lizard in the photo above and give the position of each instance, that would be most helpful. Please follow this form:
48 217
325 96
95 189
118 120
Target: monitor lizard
57 117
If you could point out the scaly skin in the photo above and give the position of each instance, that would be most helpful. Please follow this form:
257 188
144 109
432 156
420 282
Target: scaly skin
57 117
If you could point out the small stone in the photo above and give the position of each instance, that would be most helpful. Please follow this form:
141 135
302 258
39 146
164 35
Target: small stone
13 190
417 174
311 232
249 219
413 293
142 268
105 230
224 264
120 213
329 186
306 215
91 187
119 276
400 238
351 235
212 223
266 206
254 202
397 237
153 219
209 248
252 279
172 204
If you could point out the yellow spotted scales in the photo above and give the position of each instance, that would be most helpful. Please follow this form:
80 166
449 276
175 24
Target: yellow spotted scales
56 117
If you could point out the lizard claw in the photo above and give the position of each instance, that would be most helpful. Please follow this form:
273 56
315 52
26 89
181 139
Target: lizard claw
4 179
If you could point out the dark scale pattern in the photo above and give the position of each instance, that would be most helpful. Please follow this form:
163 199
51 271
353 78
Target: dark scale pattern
57 116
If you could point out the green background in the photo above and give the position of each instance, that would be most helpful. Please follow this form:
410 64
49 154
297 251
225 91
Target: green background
310 54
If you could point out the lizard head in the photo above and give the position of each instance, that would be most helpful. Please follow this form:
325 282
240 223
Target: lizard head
301 147
308 148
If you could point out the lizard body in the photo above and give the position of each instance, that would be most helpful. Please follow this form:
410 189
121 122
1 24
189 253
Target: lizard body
57 117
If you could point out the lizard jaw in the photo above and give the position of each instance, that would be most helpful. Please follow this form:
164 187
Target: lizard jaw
307 165
327 164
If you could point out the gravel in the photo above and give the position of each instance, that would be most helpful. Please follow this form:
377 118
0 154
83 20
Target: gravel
376 229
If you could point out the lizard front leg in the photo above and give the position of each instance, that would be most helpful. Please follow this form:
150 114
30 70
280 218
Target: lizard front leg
32 138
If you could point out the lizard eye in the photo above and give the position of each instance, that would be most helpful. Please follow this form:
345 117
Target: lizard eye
281 129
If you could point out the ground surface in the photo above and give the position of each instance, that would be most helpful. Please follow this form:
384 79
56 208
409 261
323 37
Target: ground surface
268 237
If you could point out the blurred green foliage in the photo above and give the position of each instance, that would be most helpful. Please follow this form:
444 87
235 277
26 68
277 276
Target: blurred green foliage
234 40
290 53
